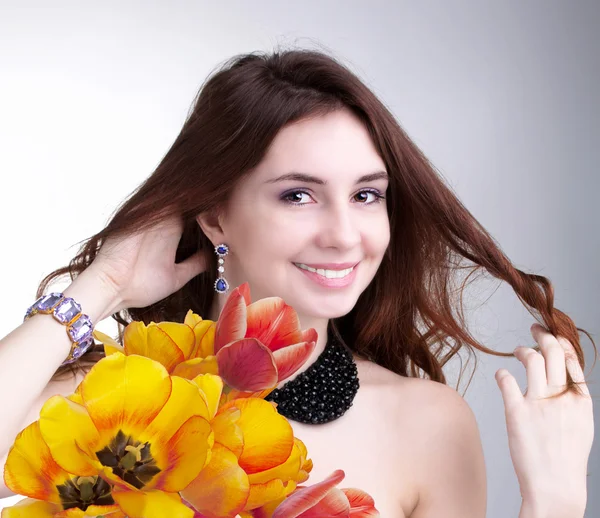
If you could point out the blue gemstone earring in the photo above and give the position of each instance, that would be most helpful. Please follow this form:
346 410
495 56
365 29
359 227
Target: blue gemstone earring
221 284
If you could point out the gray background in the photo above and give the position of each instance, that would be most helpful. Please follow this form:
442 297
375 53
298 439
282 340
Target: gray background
502 96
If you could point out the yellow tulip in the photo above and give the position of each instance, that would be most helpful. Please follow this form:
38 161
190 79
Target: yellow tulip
255 459
132 424
169 343
30 470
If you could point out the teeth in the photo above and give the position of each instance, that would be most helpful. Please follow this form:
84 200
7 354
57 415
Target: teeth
330 274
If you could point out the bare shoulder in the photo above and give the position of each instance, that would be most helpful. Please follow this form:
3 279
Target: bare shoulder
429 399
441 441
411 390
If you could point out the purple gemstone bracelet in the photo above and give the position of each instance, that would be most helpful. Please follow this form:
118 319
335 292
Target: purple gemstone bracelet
68 312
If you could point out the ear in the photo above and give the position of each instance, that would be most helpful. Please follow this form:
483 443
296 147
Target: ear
210 223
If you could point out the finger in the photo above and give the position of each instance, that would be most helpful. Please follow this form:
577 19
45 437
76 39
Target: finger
573 365
188 269
554 357
509 388
168 229
537 384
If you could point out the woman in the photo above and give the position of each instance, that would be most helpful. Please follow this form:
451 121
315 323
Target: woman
310 191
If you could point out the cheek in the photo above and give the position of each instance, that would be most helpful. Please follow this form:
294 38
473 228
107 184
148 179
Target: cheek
260 240
377 235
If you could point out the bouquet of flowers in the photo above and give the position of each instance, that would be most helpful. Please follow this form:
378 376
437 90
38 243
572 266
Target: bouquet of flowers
173 422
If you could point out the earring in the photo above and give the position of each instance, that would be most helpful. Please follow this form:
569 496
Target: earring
221 284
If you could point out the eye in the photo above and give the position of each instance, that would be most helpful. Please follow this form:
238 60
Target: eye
287 197
374 192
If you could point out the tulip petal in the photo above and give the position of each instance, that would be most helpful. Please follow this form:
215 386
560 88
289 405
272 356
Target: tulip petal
290 358
221 488
268 436
184 402
306 498
70 435
362 504
30 469
240 394
307 464
273 322
204 332
166 343
30 508
181 334
247 365
261 494
231 324
267 510
179 467
244 289
110 345
191 319
227 432
125 392
212 388
191 368
151 504
288 470
110 511
333 505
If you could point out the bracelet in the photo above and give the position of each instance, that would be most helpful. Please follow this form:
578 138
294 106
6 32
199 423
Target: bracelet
68 312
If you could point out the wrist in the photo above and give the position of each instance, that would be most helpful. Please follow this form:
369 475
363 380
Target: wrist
563 506
97 297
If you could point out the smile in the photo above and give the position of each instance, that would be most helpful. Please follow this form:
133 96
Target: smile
329 278
329 274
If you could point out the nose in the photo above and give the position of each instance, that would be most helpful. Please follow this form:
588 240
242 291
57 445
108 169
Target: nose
340 227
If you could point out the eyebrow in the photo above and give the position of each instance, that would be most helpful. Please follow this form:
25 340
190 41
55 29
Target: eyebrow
307 178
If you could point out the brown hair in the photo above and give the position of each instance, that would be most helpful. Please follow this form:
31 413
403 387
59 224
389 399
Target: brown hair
404 319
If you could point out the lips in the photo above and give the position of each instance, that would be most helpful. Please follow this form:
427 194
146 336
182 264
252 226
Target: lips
328 282
330 266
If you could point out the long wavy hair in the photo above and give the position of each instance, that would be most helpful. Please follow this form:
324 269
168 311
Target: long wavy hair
410 319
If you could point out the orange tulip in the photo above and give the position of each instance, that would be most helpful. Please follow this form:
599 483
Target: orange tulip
255 457
321 500
253 346
269 322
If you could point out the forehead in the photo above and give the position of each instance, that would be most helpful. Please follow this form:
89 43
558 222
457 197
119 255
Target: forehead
336 144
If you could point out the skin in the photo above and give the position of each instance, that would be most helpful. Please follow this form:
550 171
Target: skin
412 444
380 442
337 222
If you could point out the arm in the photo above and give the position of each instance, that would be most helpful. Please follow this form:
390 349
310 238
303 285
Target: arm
31 354
131 271
451 470
63 387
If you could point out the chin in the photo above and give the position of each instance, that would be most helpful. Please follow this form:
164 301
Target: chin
329 309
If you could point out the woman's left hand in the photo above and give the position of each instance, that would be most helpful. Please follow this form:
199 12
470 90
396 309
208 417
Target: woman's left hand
549 439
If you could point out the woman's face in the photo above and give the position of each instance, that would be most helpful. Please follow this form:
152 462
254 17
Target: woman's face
328 216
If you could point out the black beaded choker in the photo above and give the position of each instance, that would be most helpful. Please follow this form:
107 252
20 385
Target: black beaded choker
324 391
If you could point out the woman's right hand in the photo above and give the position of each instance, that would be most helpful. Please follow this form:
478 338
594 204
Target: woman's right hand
141 268
549 438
